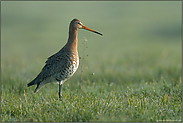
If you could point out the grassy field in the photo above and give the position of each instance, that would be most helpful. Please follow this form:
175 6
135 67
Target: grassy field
132 73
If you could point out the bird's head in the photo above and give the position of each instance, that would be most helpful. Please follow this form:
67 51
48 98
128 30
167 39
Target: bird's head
76 24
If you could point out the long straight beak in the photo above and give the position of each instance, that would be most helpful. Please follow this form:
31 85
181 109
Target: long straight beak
84 27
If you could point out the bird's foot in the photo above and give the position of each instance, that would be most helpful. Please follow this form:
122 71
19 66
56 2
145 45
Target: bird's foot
60 99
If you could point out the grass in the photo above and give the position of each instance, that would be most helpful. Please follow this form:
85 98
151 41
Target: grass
97 101
132 73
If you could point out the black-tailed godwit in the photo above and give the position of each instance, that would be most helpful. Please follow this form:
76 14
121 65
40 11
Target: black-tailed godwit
62 65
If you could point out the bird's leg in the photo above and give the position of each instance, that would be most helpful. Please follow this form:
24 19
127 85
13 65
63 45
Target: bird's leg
60 97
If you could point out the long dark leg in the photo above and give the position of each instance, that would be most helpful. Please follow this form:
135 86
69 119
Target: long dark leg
60 97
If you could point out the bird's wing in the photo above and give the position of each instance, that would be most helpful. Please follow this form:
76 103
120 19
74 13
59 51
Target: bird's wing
54 65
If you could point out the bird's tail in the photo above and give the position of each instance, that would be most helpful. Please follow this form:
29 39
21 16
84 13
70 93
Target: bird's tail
31 83
34 82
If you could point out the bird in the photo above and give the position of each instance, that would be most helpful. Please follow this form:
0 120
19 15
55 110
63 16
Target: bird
63 64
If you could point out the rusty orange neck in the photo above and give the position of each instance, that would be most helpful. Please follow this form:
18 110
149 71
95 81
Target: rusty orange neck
72 40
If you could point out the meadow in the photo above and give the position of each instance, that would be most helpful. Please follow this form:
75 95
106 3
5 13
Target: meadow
131 73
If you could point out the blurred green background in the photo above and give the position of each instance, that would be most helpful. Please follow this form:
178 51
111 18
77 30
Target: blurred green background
131 73
142 40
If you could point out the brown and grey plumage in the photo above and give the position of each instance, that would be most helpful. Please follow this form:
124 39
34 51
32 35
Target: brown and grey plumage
62 65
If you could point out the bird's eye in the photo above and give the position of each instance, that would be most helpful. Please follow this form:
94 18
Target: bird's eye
79 23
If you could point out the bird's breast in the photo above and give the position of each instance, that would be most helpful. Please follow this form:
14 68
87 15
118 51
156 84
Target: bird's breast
69 68
75 63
